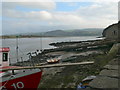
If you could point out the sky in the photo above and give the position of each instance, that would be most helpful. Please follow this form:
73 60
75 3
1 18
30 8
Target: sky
23 17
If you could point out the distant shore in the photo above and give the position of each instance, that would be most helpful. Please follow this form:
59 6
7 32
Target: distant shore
32 36
14 36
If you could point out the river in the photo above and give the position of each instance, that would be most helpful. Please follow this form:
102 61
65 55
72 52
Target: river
27 45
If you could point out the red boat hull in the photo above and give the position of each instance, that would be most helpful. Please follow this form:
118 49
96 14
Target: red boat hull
25 82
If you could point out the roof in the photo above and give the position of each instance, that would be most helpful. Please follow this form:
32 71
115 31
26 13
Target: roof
5 49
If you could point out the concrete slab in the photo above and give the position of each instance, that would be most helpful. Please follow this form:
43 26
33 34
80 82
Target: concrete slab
104 82
114 61
110 73
112 67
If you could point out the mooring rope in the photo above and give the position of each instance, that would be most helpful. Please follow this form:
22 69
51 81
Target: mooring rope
7 82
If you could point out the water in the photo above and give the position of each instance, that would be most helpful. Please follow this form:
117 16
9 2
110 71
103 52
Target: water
27 45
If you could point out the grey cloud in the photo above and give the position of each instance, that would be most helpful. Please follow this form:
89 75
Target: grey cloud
96 16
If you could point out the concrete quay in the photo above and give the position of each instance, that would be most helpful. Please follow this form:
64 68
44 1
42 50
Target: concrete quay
109 77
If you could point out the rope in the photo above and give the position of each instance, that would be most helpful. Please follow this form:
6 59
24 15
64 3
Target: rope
7 82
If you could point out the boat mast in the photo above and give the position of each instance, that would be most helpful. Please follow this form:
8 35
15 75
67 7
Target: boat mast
41 43
17 48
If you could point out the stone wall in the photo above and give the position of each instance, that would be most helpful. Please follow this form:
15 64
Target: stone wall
119 30
108 78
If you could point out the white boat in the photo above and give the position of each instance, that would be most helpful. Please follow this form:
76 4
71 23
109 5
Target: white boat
53 60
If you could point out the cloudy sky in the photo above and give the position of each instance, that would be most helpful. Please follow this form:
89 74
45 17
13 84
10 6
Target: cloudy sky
23 17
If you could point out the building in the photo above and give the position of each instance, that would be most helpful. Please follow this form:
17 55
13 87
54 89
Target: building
112 32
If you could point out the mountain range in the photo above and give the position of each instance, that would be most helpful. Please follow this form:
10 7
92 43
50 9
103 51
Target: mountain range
60 33
75 32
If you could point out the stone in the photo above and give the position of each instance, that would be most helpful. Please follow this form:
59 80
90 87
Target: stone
110 73
104 82
113 67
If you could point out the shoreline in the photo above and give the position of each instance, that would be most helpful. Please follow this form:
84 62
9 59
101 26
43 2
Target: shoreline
45 44
66 47
73 46
13 37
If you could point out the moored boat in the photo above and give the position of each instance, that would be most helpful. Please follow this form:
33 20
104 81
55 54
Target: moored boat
53 60
17 79
24 79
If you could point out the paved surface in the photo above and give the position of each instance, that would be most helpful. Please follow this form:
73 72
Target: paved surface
108 77
104 82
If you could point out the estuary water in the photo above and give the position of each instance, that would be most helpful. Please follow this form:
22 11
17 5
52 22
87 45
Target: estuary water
27 45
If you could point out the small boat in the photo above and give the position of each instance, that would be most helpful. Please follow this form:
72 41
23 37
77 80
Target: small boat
17 79
85 82
52 61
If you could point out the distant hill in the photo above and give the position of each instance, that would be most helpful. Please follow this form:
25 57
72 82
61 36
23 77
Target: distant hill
76 32
58 33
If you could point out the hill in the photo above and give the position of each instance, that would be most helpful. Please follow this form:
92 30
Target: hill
60 33
76 32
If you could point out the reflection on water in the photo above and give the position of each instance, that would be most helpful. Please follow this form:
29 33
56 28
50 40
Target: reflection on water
27 45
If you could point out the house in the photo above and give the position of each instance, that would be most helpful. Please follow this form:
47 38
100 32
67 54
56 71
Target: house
112 32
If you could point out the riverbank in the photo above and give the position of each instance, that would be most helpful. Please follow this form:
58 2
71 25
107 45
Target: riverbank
22 36
32 36
31 45
70 77
70 49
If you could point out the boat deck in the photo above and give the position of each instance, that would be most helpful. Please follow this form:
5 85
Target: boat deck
18 73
